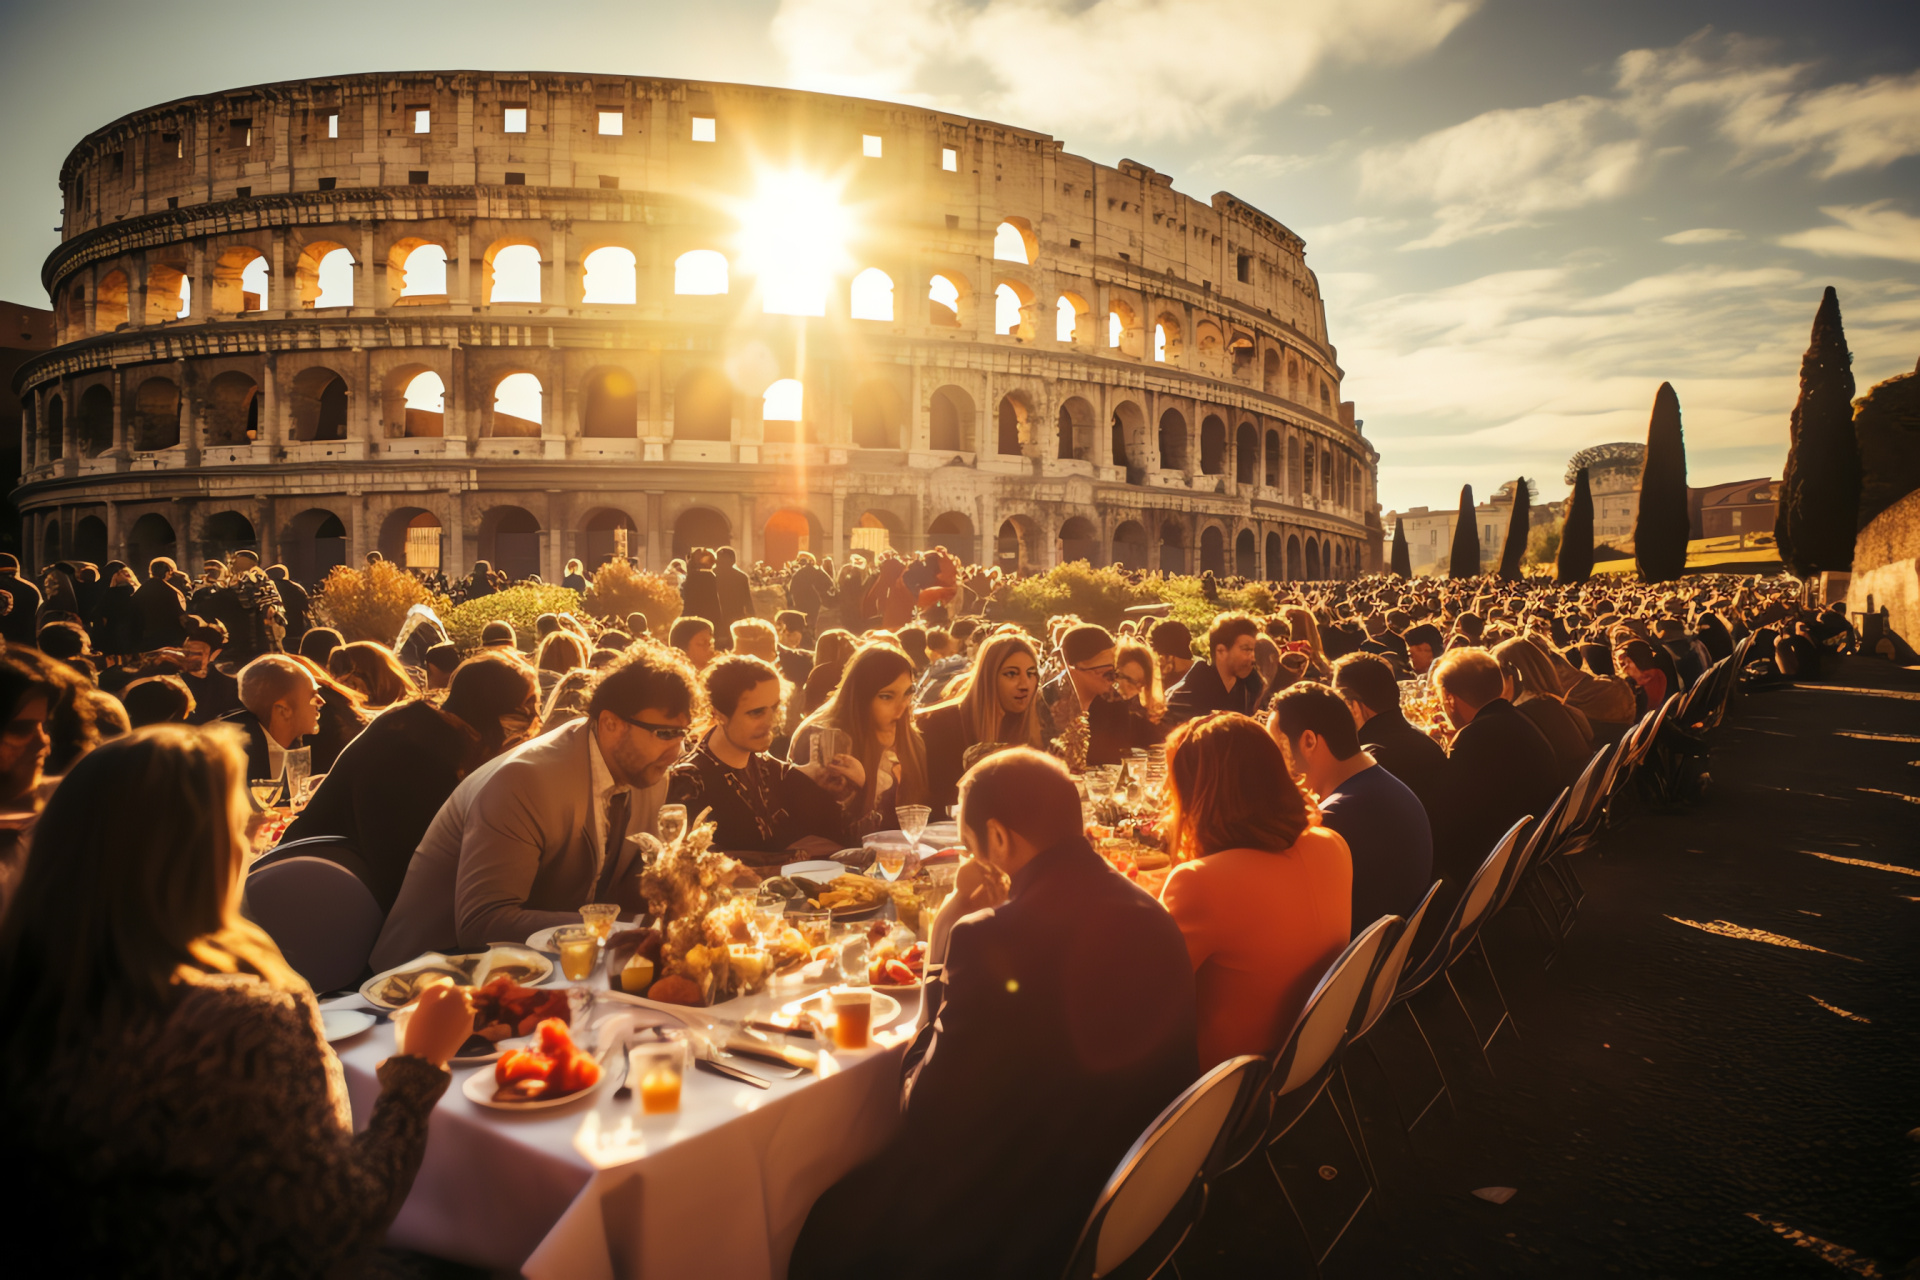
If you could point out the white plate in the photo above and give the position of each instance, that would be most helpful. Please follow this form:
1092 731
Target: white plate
463 964
542 939
480 1085
500 1047
885 1007
340 1024
814 870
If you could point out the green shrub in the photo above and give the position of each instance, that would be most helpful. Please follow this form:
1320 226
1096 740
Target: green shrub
621 587
1094 595
519 605
371 603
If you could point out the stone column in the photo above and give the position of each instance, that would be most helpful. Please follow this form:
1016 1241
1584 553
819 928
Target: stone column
190 412
185 546
271 432
69 434
116 546
456 534
657 547
119 452
555 430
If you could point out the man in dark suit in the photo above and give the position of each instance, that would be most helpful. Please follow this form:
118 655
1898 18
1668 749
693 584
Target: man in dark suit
159 609
1366 683
1034 1070
1499 770
736 596
279 705
21 620
1228 682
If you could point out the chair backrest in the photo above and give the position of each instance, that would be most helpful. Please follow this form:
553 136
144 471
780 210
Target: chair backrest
333 848
1536 843
1163 1167
1475 905
323 919
1587 793
1386 979
1322 1026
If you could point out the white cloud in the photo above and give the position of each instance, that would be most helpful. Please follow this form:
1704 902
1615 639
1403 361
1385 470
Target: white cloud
1510 167
1138 69
1702 235
1315 109
1876 230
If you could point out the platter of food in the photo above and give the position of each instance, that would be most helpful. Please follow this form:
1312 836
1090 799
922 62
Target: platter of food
399 986
542 939
891 968
550 1071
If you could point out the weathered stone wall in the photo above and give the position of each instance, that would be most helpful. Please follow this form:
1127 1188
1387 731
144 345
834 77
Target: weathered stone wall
1186 411
1886 568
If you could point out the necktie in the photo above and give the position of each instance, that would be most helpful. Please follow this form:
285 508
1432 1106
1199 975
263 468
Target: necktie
616 840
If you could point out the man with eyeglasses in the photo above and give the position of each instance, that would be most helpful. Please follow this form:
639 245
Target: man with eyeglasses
540 830
1084 691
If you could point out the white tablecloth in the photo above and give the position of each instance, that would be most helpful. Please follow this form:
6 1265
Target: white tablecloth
721 1189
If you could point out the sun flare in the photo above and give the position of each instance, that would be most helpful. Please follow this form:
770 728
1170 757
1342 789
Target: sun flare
793 238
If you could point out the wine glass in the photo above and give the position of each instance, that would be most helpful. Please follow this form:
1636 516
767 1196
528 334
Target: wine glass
913 821
265 791
673 823
299 768
891 857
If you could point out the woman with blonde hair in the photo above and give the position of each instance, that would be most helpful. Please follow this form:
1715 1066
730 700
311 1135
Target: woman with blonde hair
560 652
873 706
1263 894
165 1076
374 671
1530 684
1136 682
998 701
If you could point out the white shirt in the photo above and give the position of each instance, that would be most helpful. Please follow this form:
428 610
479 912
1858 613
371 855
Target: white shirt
643 806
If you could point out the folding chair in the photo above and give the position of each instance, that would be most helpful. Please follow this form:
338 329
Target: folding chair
1155 1198
1380 997
324 920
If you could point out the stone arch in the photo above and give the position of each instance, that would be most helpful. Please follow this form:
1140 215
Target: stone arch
1270 372
1173 441
701 273
1173 546
413 538
323 276
319 402
607 533
169 292
703 406
510 271
1294 462
1130 546
510 540
1017 545
56 428
95 424
947 293
239 281
1169 339
156 415
1070 314
1213 446
316 541
110 301
1296 562
1246 554
1213 551
1015 417
1014 241
90 540
225 533
233 409
610 277
416 273
150 537
954 531
610 405
1079 540
414 402
1075 429
879 415
787 533
1013 310
1124 333
1313 560
1276 558
950 420
519 406
700 527
870 297
1128 434
783 412
1246 455
1273 460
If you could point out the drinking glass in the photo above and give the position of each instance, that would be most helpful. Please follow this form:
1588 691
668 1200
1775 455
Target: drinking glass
599 917
851 941
890 856
673 823
813 923
828 743
265 791
852 1017
913 821
579 948
769 915
299 768
655 1068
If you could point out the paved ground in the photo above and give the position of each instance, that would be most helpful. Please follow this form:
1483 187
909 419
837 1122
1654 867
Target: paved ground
1739 1099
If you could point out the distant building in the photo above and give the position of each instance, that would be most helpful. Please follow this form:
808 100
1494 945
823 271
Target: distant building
1613 477
1430 532
24 331
1740 509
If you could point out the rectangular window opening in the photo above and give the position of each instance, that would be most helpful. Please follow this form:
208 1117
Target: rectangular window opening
333 124
416 177
516 179
1073 244
1244 263
950 159
119 163
609 182
953 222
422 119
870 145
173 202
243 133
703 129
327 184
241 193
171 143
513 120
613 122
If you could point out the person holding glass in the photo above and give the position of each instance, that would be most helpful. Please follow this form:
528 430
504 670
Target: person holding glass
761 806
1136 686
132 987
873 708
279 706
998 701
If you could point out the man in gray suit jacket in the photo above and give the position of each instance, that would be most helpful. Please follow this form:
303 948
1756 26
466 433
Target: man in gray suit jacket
532 835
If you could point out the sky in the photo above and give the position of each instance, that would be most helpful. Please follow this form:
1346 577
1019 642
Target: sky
1524 214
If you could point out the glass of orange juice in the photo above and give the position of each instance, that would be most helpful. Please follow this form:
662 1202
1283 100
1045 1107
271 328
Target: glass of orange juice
852 1017
655 1069
600 917
579 948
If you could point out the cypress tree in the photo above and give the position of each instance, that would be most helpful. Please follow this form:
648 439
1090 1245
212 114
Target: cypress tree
1660 526
1820 492
1402 556
1519 525
1575 563
1464 562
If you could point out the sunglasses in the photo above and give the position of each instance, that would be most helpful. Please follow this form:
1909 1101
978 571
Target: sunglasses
1105 673
664 732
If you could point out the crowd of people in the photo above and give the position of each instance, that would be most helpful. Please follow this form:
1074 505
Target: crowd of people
165 1073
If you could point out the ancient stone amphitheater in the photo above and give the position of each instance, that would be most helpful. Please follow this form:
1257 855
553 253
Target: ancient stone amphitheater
524 317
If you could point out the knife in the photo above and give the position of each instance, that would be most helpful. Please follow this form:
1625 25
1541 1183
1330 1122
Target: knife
736 1073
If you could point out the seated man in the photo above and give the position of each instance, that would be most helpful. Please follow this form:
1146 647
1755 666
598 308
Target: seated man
1034 1070
280 705
1424 643
215 693
1499 770
1228 682
761 804
1372 696
528 837
1375 813
1084 691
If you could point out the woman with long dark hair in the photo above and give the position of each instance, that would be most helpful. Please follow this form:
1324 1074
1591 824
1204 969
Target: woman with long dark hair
1263 893
342 717
164 1086
372 669
873 706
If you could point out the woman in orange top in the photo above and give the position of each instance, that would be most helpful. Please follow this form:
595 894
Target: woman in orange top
1264 897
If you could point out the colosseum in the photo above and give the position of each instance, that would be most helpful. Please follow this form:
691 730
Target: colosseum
526 317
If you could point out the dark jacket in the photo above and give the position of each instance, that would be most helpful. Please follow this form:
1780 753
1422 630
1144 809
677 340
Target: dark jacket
1032 1076
1572 747
1500 770
259 757
758 811
116 624
158 607
384 790
943 731
1408 755
736 601
215 694
700 598
18 624
298 604
810 589
1201 690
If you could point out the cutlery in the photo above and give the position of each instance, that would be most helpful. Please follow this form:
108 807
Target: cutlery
736 1073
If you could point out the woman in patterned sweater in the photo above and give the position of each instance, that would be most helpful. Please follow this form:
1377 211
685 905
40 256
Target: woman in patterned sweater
167 1100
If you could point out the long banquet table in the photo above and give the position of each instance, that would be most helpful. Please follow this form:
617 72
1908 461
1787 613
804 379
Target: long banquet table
719 1189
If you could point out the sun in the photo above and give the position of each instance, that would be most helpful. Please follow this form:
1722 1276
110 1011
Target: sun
793 236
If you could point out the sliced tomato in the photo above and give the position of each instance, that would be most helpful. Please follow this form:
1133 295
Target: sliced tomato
521 1064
